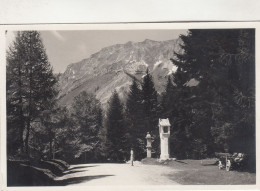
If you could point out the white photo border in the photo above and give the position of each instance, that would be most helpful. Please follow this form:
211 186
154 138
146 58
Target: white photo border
126 26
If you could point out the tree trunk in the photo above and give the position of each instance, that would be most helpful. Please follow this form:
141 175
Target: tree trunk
53 155
50 148
21 143
29 109
22 125
27 138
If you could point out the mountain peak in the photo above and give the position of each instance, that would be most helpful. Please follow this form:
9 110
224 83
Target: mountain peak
128 44
149 40
115 66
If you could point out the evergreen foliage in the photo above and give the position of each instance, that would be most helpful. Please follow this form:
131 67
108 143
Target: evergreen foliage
117 149
87 122
150 110
149 95
135 123
209 100
30 88
222 61
167 102
48 132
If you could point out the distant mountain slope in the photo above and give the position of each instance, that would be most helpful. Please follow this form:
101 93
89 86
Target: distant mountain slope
114 67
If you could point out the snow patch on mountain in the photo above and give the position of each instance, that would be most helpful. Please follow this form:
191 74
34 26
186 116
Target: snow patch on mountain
173 70
156 64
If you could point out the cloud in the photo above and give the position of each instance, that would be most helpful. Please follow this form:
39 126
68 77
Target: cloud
58 36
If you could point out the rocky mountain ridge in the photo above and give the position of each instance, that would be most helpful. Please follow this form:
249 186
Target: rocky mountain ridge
113 68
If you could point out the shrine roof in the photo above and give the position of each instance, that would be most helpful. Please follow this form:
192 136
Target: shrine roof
164 122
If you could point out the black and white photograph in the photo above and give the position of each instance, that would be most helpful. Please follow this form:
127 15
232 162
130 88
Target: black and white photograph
130 106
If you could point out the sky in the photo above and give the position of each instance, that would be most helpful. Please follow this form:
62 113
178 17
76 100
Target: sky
66 47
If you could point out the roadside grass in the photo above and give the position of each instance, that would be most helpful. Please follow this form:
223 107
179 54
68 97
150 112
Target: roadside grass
204 172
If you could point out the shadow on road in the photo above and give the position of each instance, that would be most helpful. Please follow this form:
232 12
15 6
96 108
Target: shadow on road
212 164
76 180
75 171
78 167
181 162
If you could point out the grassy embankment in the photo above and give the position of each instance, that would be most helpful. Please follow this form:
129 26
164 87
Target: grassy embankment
204 172
34 173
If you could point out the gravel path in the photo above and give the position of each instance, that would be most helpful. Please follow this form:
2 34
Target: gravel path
117 174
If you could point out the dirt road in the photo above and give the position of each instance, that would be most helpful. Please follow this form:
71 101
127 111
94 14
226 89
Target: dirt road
116 174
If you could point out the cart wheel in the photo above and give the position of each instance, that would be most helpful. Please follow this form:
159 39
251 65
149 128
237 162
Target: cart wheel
220 165
228 165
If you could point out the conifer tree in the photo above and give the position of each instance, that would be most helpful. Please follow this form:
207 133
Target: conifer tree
30 85
117 138
150 108
149 95
134 118
168 99
222 61
176 108
87 117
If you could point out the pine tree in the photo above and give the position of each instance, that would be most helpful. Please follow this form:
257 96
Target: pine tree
45 132
197 62
87 116
221 61
149 103
30 84
117 144
175 107
168 99
150 108
135 123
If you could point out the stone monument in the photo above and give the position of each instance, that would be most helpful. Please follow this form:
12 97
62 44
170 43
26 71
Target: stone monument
149 145
164 130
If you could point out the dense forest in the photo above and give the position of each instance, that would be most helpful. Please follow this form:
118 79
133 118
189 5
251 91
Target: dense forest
215 114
